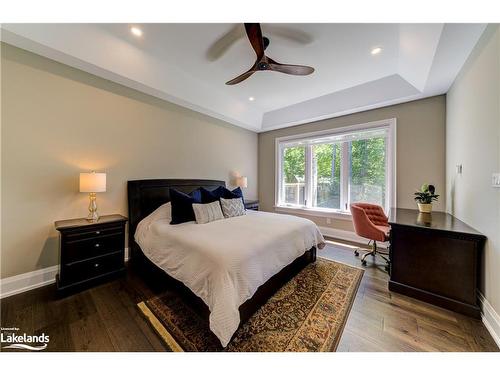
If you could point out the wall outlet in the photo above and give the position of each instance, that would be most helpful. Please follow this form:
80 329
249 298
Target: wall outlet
328 220
495 180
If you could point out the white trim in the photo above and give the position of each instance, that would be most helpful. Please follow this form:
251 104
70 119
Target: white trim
27 281
391 160
10 286
490 318
314 212
342 129
347 235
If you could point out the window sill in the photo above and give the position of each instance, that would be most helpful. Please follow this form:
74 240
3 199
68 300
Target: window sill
314 212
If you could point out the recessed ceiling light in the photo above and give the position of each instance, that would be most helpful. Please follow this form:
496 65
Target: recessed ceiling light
376 50
136 31
251 98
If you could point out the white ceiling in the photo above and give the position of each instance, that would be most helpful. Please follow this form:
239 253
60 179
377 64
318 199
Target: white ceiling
176 62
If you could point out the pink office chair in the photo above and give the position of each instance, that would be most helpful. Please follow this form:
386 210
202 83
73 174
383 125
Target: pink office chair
370 222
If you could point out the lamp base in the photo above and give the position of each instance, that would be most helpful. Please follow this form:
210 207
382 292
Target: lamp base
93 215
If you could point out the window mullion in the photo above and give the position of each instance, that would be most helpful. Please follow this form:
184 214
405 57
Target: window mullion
281 183
309 176
344 177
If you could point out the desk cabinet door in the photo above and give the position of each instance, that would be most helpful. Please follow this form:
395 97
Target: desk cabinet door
439 263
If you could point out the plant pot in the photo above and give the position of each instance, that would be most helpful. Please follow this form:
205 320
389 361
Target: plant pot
424 219
425 207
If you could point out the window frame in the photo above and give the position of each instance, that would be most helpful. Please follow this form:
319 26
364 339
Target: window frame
391 144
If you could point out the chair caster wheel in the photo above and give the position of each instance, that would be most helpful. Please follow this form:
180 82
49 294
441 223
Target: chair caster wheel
356 253
363 262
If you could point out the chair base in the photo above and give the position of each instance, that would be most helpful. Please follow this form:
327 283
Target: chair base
373 252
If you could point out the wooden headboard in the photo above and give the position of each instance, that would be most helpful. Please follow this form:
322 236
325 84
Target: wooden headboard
145 196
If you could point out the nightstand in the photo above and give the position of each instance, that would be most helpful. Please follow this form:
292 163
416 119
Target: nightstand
252 205
90 252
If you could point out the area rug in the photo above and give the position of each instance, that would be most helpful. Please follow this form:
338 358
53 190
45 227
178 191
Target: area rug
307 314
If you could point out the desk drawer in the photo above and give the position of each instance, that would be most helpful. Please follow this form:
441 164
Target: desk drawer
84 270
89 248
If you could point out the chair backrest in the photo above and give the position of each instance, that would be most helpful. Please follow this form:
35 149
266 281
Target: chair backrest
365 217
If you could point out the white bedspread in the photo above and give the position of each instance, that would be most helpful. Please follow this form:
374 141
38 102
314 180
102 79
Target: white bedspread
225 261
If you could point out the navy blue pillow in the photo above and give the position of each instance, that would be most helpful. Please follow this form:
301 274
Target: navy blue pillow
208 196
182 205
236 193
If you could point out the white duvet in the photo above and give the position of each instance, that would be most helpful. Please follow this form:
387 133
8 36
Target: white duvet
225 261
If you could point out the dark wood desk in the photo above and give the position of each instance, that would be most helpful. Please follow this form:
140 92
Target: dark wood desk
435 258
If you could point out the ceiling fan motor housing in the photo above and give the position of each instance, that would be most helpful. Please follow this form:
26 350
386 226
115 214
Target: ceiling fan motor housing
263 66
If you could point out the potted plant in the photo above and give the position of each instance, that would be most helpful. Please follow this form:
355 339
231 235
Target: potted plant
425 197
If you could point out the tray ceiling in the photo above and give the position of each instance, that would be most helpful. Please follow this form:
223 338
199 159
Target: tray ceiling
188 64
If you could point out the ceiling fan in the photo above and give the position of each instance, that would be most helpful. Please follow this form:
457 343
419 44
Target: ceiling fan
263 62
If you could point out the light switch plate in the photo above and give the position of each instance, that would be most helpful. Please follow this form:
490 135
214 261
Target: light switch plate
495 180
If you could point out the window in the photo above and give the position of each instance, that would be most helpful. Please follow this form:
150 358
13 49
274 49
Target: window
326 171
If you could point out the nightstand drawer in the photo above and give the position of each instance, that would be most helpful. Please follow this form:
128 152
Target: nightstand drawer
88 269
93 233
88 248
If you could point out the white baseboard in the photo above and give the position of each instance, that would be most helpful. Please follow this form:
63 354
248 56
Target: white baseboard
10 286
491 319
347 235
27 281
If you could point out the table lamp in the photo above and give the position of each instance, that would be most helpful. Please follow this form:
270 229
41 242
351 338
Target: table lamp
92 183
242 182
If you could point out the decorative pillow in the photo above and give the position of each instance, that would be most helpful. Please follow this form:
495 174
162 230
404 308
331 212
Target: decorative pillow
182 205
205 213
208 196
232 207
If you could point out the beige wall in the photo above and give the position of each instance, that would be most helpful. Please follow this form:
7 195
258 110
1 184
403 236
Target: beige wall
473 140
58 121
420 150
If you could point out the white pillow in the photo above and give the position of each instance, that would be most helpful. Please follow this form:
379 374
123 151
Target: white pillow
232 207
205 213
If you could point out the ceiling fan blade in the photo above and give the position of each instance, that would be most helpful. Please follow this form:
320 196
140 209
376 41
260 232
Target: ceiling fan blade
254 34
222 45
290 33
241 77
296 70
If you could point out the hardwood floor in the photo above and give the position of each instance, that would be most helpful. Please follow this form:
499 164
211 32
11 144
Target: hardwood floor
105 318
381 320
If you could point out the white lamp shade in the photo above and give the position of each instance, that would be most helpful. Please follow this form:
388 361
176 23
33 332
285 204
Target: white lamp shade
242 182
92 182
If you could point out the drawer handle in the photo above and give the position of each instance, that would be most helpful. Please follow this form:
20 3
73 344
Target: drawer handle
97 232
96 265
97 245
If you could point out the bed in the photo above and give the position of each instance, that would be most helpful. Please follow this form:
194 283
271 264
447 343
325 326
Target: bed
226 269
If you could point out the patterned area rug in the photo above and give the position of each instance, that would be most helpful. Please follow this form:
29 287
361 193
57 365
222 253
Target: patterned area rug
306 314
